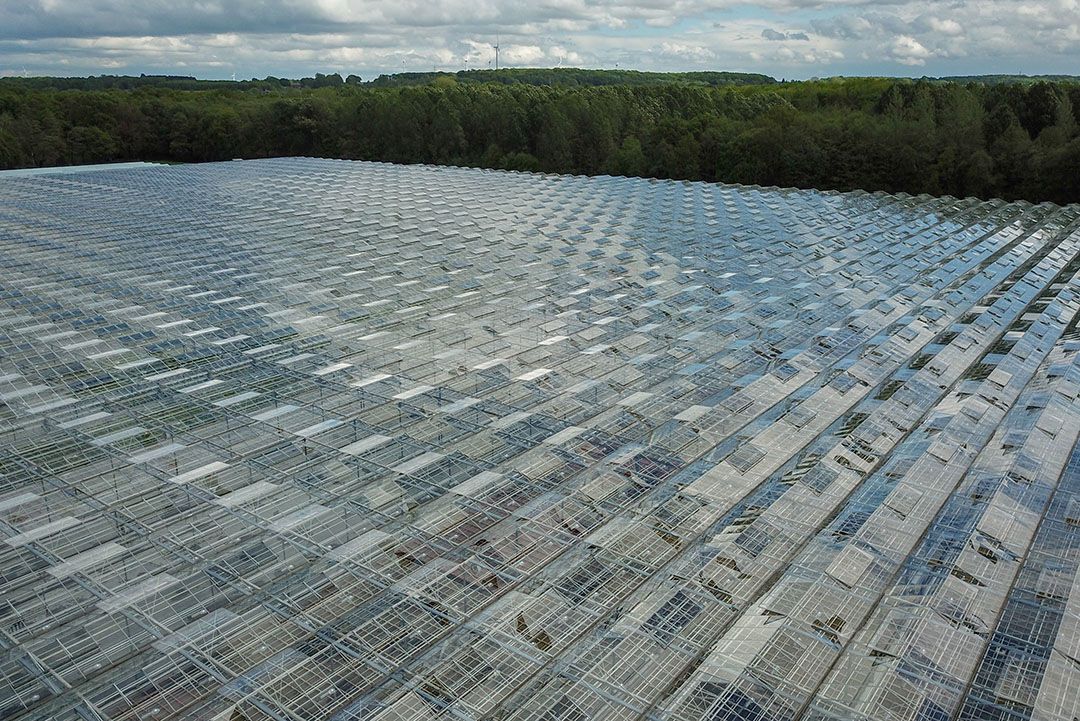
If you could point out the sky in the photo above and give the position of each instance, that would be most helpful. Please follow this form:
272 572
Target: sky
789 39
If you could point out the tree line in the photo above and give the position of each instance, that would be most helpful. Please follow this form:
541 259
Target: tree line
569 77
1010 140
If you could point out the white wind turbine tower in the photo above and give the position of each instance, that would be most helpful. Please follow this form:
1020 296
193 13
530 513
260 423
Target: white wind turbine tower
496 46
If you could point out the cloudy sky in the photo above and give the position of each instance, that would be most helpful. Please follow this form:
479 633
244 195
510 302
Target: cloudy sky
293 38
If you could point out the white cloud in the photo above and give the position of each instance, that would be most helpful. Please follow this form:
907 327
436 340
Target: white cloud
522 54
906 50
686 51
946 26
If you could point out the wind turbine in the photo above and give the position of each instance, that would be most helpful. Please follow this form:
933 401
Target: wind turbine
496 46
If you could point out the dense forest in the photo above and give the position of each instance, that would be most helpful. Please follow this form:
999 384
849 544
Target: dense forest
988 139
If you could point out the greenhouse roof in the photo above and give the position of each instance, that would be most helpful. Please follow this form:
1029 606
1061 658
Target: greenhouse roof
305 439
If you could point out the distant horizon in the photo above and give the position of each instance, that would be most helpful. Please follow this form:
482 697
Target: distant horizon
450 71
369 74
790 39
